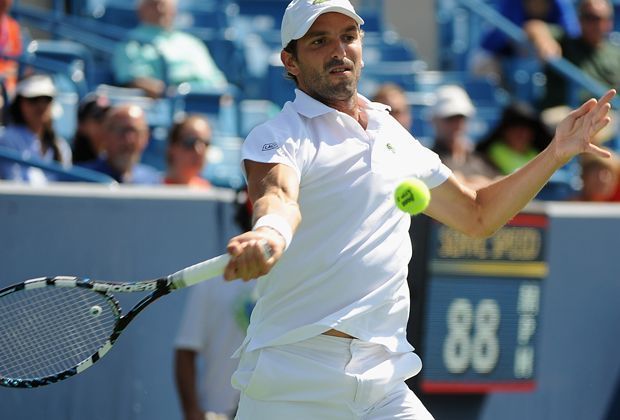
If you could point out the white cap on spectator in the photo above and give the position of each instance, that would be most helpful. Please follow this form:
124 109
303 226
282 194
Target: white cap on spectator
301 14
35 86
452 100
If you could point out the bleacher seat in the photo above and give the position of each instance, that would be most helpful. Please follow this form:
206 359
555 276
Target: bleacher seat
65 105
78 60
122 14
223 168
271 10
482 91
253 112
279 88
205 14
220 107
403 73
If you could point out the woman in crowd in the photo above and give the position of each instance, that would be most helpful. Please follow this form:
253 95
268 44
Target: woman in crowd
30 131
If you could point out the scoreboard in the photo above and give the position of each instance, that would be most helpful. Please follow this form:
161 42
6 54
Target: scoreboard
481 307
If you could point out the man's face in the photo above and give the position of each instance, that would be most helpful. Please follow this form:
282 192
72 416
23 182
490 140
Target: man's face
188 154
328 63
126 137
450 130
158 12
596 22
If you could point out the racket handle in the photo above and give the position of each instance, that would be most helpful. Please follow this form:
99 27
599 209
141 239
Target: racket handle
207 269
198 272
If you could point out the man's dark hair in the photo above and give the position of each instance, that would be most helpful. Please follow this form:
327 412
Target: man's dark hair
291 48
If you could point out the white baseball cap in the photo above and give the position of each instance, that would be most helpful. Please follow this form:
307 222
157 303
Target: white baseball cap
301 14
35 86
452 100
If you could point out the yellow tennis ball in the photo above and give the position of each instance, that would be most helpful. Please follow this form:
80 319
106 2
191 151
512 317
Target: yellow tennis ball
412 196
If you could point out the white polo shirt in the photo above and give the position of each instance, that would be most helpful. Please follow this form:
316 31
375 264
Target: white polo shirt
346 267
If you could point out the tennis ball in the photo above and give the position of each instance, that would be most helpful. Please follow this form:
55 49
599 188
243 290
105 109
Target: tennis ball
412 196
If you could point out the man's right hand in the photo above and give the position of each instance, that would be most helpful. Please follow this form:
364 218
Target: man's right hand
253 254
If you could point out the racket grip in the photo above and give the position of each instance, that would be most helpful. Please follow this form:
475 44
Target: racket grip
198 272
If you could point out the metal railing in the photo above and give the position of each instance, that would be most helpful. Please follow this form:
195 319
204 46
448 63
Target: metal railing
72 174
571 72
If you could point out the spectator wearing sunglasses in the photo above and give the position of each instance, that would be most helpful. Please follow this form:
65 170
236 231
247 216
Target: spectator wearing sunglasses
30 131
186 156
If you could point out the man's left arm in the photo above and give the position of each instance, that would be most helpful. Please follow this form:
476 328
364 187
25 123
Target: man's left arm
481 212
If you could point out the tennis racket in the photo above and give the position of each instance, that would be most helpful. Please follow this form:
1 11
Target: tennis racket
52 328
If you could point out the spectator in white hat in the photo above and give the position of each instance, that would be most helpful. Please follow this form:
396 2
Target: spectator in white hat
450 117
31 132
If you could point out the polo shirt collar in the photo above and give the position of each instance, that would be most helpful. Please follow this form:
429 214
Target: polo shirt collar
309 107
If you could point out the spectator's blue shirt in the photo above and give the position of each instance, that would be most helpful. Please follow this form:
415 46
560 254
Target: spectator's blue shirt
140 174
21 139
561 13
175 56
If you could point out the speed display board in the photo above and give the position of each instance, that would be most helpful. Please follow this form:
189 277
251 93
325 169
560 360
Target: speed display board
481 311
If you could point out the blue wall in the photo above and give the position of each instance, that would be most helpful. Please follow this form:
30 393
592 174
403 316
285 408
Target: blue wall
132 234
124 235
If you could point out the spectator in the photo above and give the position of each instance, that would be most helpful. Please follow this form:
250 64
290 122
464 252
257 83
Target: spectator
538 18
186 156
213 326
450 117
30 131
126 136
518 137
154 53
600 178
10 45
394 96
592 52
88 142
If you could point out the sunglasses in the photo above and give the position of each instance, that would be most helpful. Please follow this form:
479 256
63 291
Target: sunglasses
590 17
39 99
189 143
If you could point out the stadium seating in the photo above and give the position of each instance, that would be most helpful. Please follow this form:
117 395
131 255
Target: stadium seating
243 38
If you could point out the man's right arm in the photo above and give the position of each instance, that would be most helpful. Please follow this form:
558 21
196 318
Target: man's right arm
273 189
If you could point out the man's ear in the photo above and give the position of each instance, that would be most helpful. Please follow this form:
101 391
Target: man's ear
289 62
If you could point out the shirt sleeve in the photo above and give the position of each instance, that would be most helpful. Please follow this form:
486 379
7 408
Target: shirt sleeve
435 172
192 334
265 145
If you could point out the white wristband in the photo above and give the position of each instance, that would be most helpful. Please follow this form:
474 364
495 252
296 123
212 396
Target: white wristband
277 223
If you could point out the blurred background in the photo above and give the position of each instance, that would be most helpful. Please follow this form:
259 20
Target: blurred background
522 325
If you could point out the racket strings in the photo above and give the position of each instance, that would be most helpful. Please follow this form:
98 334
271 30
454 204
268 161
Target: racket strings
49 330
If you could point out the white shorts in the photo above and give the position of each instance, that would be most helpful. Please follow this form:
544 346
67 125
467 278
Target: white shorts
327 378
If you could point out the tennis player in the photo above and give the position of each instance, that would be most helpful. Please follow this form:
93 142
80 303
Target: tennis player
327 338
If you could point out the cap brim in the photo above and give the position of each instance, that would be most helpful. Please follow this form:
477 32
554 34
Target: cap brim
303 29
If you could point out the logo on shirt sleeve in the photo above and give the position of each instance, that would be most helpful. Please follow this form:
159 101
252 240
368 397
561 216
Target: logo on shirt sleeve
270 146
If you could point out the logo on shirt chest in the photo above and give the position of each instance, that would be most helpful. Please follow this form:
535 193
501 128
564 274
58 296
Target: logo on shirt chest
270 146
390 147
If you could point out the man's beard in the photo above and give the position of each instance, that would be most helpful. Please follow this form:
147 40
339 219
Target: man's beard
123 162
327 91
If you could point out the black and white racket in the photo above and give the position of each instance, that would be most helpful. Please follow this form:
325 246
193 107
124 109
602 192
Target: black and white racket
52 328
